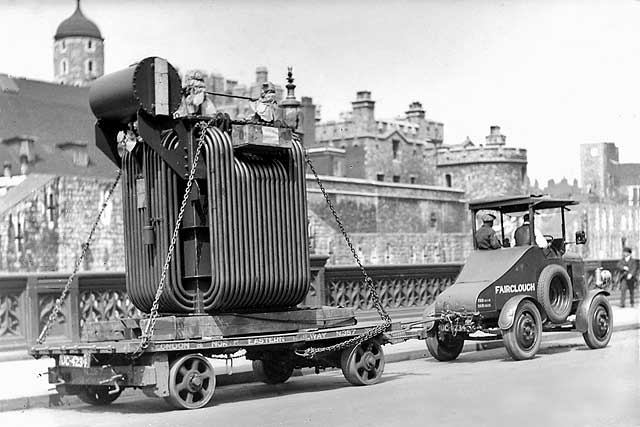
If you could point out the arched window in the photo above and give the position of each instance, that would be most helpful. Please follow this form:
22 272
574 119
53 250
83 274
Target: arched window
63 45
90 45
64 66
90 66
447 179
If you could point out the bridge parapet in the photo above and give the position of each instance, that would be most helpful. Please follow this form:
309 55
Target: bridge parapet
27 299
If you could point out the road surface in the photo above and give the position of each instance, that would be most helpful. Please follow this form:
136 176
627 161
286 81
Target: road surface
565 385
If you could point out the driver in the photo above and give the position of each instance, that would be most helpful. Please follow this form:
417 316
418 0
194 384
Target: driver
521 236
486 236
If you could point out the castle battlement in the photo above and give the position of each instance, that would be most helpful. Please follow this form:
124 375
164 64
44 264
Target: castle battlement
449 156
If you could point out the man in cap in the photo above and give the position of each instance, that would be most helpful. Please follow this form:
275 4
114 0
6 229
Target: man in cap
628 268
485 236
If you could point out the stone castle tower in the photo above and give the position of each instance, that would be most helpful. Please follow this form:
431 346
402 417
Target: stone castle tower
78 50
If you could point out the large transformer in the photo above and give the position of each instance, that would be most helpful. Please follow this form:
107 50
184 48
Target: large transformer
243 243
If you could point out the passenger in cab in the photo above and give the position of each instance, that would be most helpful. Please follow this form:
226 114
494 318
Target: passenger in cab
522 237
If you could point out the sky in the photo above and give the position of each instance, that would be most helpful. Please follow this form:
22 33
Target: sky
553 74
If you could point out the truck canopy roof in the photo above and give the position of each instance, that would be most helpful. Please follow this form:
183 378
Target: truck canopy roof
506 204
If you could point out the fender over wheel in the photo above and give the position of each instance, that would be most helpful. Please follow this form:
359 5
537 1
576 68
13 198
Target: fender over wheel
444 347
363 364
599 323
555 293
99 395
192 382
272 370
522 339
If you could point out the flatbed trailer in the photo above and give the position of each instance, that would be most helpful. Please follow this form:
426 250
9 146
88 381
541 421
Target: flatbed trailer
179 371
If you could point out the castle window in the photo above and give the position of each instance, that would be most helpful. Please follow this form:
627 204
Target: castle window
396 178
89 66
380 177
91 46
433 219
64 66
447 179
396 148
412 179
63 45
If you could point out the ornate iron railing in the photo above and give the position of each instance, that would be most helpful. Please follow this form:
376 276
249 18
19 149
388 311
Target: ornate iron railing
26 299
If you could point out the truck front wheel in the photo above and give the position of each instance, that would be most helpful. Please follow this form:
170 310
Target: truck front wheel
522 339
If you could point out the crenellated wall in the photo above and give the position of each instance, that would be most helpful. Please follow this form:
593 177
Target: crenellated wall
483 171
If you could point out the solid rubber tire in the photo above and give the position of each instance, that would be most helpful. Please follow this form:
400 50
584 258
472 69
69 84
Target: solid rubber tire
590 337
98 395
555 313
441 350
174 399
349 363
272 371
510 337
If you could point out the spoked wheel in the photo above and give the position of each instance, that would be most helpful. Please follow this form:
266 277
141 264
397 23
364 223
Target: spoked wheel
99 395
363 364
522 339
273 371
444 347
599 323
191 382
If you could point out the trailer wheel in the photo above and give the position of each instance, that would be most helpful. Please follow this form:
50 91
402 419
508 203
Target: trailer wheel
555 292
599 323
363 364
191 382
445 348
522 339
98 395
272 371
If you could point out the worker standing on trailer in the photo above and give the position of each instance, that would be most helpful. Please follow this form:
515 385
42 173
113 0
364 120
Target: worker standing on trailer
486 236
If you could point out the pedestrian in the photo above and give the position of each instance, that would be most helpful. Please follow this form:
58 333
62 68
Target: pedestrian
486 236
628 268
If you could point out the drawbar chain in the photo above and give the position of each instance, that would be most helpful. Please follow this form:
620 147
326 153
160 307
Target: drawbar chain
153 314
65 291
386 319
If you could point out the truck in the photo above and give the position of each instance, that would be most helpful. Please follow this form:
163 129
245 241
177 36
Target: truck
515 293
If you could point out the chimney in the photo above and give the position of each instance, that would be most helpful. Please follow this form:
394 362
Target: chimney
6 169
363 112
495 137
261 74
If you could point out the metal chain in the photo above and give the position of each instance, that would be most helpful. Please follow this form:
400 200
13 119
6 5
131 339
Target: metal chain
85 247
153 315
369 333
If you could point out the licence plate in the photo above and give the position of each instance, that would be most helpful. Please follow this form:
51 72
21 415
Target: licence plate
74 361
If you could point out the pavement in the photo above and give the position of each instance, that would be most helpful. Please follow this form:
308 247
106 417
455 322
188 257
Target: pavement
25 383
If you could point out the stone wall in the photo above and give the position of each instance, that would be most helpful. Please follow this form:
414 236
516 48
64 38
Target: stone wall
411 160
29 234
45 230
389 223
480 180
80 201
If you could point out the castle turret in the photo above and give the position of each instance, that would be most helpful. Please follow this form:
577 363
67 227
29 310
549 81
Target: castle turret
483 171
78 50
495 137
